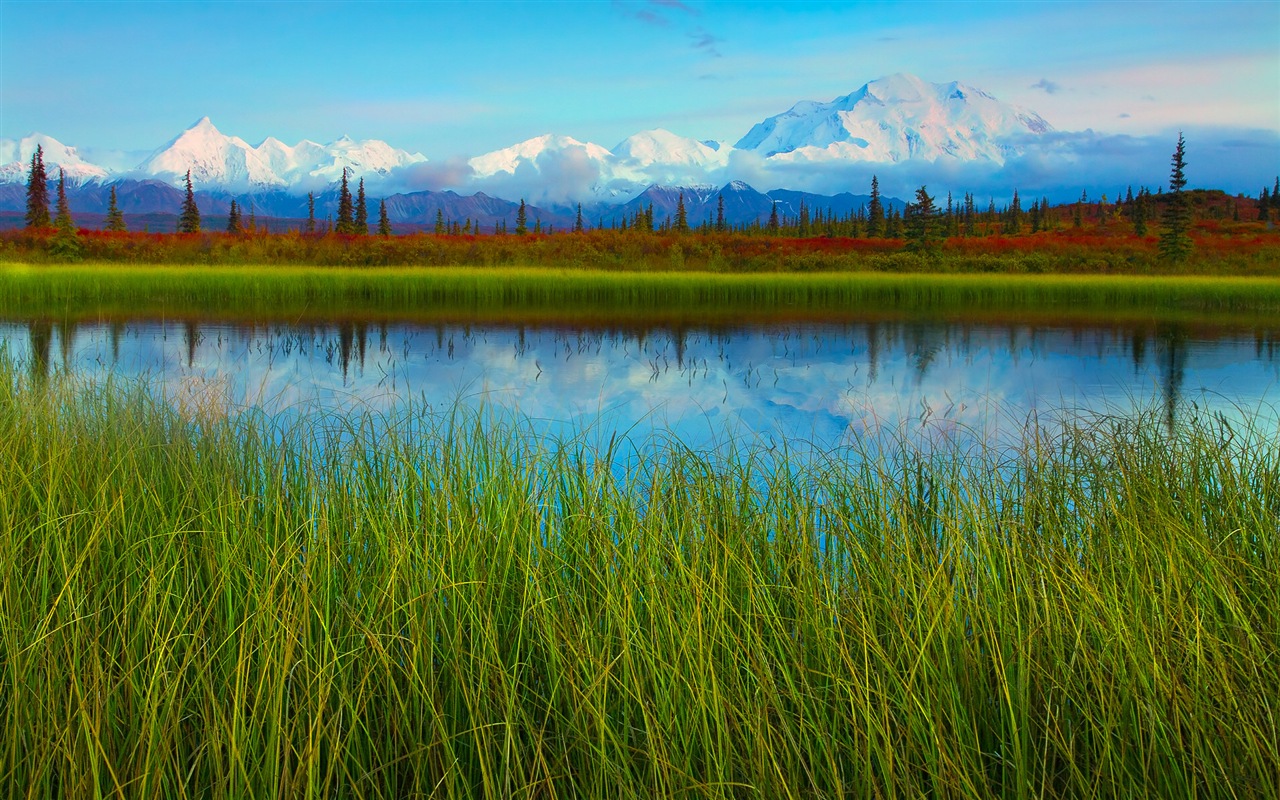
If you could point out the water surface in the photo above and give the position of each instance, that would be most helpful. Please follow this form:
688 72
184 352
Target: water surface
824 384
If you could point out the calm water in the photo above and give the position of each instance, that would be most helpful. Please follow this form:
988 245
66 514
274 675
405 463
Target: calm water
823 384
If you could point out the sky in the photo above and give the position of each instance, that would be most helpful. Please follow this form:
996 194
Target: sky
452 79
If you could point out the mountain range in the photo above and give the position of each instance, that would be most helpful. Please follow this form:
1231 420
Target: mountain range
892 120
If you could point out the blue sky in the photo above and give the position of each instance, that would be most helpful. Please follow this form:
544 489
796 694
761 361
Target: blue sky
448 79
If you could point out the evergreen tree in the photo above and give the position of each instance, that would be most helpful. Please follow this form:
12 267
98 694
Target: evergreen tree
440 228
802 225
311 212
921 224
1140 213
875 211
682 216
384 223
38 192
1175 241
577 222
1264 205
720 225
346 210
362 212
253 218
1013 216
1035 216
63 221
648 218
115 219
537 225
773 219
233 218
189 220
522 219
893 224
970 215
1077 213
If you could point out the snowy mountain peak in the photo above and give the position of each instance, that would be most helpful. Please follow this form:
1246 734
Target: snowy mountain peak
528 152
15 160
896 118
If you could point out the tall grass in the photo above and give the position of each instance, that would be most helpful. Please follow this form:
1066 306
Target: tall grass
199 604
293 293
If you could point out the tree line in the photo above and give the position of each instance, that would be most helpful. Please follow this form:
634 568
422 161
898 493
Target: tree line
923 223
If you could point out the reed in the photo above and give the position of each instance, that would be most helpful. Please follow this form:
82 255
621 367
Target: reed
203 602
292 293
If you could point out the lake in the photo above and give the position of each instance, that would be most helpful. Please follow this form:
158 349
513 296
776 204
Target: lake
811 384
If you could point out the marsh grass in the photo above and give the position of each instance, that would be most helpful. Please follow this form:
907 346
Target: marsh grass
293 293
214 605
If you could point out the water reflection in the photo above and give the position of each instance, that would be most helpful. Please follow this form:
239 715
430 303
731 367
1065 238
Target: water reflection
813 383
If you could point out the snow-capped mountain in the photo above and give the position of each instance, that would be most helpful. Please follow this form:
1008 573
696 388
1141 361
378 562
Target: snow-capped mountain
894 119
15 160
230 162
531 151
212 157
899 119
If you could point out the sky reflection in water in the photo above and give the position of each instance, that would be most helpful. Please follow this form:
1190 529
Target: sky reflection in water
823 384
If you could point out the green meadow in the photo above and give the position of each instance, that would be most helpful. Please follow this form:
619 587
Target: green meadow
207 603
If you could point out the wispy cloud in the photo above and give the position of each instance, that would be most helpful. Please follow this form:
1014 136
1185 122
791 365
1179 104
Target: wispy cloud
1047 86
706 43
669 15
675 5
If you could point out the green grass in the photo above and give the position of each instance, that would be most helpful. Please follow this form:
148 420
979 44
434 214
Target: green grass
210 606
292 293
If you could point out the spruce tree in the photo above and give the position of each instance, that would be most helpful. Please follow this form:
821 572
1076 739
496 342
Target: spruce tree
189 221
1140 213
577 222
682 216
773 219
875 211
1175 241
233 218
921 225
384 223
440 229
362 212
1264 205
115 219
38 192
522 219
311 212
720 226
346 213
63 221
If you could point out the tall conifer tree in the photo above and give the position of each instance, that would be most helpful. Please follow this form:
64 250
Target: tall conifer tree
682 216
522 219
233 218
311 212
115 219
362 212
875 211
1175 241
38 192
189 221
63 221
346 214
384 223
720 225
